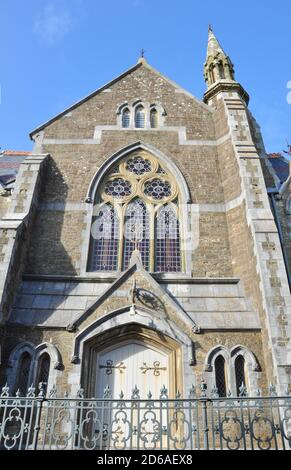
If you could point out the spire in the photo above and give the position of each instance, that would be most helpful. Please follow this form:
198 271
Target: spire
214 47
218 65
219 70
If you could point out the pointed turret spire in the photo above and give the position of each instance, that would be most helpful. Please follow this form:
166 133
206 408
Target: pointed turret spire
219 70
218 65
214 47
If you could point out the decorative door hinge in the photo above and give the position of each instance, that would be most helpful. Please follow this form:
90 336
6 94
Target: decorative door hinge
109 367
156 368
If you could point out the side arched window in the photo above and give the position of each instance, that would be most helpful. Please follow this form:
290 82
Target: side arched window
43 370
220 377
23 374
240 376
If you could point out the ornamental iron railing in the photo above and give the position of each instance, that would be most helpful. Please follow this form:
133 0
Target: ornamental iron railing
46 421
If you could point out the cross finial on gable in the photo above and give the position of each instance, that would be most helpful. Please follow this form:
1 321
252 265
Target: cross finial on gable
142 59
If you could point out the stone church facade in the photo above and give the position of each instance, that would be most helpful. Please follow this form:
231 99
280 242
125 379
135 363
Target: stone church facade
139 246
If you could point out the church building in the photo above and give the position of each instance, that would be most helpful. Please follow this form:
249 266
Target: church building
139 249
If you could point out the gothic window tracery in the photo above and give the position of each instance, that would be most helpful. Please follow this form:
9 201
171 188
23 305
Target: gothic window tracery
136 232
105 232
168 255
137 209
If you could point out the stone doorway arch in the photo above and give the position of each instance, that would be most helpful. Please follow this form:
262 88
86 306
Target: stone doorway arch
149 344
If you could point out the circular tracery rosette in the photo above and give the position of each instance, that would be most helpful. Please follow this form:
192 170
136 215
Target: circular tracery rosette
139 175
119 188
139 166
159 189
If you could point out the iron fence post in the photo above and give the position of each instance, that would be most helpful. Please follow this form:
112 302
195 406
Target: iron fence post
204 400
40 400
205 424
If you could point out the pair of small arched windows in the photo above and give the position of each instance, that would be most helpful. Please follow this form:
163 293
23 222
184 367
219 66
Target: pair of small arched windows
139 118
25 376
221 375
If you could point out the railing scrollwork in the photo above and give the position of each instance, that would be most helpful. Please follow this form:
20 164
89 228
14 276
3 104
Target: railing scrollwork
49 421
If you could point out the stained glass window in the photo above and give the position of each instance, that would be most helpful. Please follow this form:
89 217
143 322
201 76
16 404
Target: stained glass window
23 373
126 118
161 171
136 232
138 165
118 188
139 212
167 241
140 117
239 373
158 189
220 376
105 234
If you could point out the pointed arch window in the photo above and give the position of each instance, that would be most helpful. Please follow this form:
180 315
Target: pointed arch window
168 254
138 210
23 377
105 234
154 118
136 232
126 118
140 117
240 376
43 370
220 377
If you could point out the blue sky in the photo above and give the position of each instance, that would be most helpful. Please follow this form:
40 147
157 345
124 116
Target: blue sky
55 52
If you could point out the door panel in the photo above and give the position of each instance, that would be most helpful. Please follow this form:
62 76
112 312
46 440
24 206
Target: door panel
131 365
132 424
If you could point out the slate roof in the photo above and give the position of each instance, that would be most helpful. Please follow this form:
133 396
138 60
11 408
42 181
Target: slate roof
280 165
10 161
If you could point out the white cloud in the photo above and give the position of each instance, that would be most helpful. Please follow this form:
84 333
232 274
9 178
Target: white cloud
52 24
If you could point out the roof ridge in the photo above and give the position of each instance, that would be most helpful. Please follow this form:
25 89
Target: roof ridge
15 152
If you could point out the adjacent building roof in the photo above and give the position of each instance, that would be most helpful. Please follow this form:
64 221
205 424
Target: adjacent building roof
280 165
10 161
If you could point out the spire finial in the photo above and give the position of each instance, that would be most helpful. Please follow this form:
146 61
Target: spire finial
142 59
218 65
